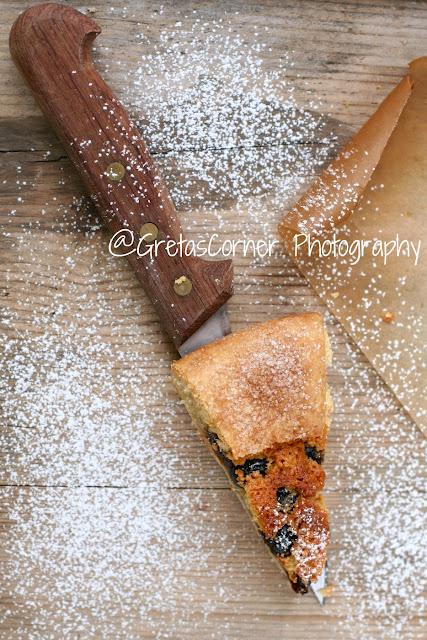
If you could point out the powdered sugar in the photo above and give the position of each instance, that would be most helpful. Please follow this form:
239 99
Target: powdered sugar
143 539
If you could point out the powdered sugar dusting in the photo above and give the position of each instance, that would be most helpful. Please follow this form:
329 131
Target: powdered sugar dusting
131 531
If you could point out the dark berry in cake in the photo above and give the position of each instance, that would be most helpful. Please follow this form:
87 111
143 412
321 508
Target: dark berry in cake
286 498
228 464
281 544
299 586
220 455
313 453
212 437
253 465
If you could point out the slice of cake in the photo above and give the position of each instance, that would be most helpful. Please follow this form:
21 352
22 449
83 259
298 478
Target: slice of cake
260 400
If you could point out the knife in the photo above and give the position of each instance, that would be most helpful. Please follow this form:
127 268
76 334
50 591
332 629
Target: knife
51 45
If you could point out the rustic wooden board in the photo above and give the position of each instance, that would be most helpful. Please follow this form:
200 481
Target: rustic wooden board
56 268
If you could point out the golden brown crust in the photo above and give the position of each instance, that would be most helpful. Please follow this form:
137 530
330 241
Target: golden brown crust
260 387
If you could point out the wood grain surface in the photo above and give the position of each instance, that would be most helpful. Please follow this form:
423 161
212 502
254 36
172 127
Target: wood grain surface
350 55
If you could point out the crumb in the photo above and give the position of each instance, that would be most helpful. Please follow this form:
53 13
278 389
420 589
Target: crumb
388 317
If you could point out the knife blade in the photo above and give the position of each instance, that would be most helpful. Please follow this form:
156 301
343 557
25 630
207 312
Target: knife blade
216 327
318 587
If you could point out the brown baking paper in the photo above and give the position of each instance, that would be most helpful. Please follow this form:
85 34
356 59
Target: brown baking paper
376 190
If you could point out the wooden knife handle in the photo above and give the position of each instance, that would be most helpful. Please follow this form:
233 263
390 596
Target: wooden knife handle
51 45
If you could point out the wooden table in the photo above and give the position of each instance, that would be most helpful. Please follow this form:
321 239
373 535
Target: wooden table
114 521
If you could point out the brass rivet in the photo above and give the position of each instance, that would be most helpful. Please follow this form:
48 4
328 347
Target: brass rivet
149 232
182 286
115 171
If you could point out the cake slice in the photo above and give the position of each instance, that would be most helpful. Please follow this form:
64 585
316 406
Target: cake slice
259 398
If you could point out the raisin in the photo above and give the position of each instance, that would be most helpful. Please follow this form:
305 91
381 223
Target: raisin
220 455
300 586
253 465
212 437
229 466
282 543
313 453
286 498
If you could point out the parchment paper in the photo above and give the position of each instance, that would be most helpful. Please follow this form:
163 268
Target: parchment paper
376 189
